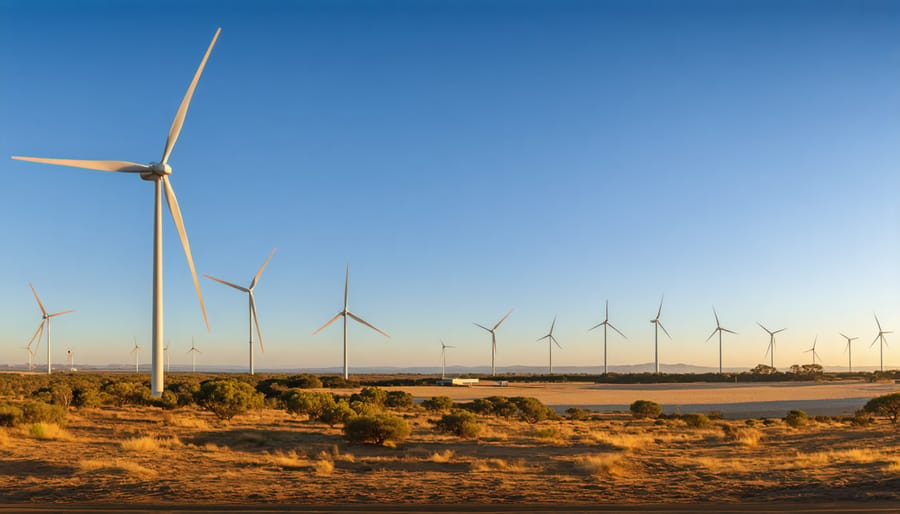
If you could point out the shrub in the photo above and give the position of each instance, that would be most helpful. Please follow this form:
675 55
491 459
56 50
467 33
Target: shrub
797 418
861 418
128 393
532 410
645 409
577 413
373 395
338 383
377 429
228 398
362 408
438 403
398 400
40 412
185 391
305 381
86 397
337 412
459 422
887 406
696 420
313 404
10 414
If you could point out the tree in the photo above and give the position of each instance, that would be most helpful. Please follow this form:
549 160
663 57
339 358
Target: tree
438 403
313 404
337 412
763 369
227 398
797 418
645 409
377 429
887 406
459 422
398 400
532 410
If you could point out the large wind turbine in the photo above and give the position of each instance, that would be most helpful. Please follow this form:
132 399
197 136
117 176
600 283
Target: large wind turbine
656 326
193 351
550 342
605 323
444 347
849 354
770 351
813 350
719 329
137 352
880 337
493 332
345 314
252 308
158 173
45 320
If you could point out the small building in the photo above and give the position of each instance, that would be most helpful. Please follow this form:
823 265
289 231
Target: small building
457 382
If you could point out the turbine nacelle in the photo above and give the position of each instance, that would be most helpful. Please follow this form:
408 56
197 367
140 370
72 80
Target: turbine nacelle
156 171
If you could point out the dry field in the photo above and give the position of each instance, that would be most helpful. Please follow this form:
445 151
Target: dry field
150 456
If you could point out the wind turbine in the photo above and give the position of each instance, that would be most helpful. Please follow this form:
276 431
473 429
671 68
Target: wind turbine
656 326
550 342
30 357
193 351
71 358
771 349
137 352
719 329
252 308
158 173
493 332
605 323
345 314
444 347
880 337
45 320
849 354
166 355
813 350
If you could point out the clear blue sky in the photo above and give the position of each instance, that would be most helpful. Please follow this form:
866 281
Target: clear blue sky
465 158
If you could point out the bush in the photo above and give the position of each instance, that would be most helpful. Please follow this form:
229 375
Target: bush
10 414
645 409
398 400
696 420
377 429
577 413
374 395
887 406
305 381
459 422
227 398
337 412
338 383
312 404
127 393
797 418
861 418
532 410
438 403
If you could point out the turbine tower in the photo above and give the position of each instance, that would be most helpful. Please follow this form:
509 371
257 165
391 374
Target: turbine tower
45 320
252 308
719 329
444 347
879 337
770 351
813 350
345 314
71 358
605 323
137 352
158 173
30 357
493 332
849 354
550 342
193 351
656 326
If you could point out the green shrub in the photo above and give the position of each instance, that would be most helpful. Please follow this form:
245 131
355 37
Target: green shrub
10 414
86 397
645 409
29 411
438 403
128 393
377 429
577 413
797 418
696 420
459 422
398 400
362 408
861 418
887 406
304 381
167 400
227 398
373 395
337 412
531 410
338 383
313 404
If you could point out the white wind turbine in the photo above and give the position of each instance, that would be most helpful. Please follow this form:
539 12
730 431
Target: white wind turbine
605 323
193 351
158 173
345 313
880 337
252 307
70 354
137 352
30 357
166 355
493 332
656 326
45 321
444 347
848 350
813 350
550 342
719 329
770 351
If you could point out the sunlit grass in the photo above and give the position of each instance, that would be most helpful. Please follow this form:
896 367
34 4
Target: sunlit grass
117 465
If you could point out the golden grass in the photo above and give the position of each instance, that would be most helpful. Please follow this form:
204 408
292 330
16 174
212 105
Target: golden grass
610 465
444 456
623 441
288 460
48 431
324 466
4 438
484 465
147 443
123 466
745 436
184 421
893 466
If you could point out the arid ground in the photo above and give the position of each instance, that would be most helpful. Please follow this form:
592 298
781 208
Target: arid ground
146 455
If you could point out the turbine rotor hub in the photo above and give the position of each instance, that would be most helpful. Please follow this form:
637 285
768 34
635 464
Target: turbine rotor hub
157 171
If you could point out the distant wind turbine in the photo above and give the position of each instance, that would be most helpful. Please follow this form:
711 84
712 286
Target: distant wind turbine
444 347
137 352
550 342
70 354
45 320
345 313
193 351
493 332
848 350
813 350
770 351
883 341
719 329
656 326
158 173
30 357
605 323
166 355
252 308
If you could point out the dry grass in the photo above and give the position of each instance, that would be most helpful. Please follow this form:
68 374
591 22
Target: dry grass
893 466
324 466
606 465
484 465
129 468
288 460
148 444
839 457
444 456
48 431
745 436
622 441
4 438
184 421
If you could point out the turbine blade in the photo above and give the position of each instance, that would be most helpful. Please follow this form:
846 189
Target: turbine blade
716 314
366 323
659 312
175 130
877 322
256 321
179 225
555 342
219 280
616 329
711 335
482 326
60 313
40 336
552 325
40 328
258 273
779 330
504 319
43 311
542 338
763 327
729 331
346 287
332 320
597 326
664 329
120 166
